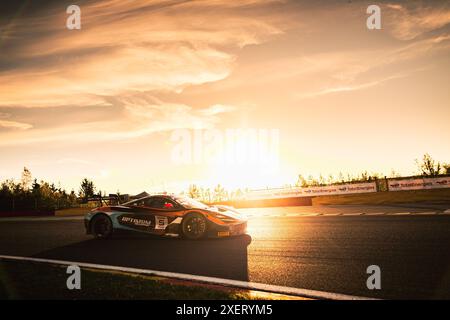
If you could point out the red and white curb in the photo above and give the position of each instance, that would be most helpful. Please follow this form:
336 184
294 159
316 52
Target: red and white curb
305 293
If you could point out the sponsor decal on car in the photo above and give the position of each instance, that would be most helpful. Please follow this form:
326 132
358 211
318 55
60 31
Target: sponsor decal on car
136 222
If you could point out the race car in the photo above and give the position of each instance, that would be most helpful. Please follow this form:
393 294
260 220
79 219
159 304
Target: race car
168 215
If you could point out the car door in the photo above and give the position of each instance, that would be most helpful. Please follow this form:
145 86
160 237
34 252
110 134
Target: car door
151 215
164 210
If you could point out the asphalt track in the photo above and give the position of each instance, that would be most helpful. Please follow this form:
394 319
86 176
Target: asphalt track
318 248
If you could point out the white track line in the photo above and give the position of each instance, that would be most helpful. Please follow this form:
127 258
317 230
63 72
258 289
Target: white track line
428 213
447 211
375 213
353 214
401 213
211 280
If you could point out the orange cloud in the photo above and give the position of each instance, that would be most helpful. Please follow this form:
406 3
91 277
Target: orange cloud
408 22
128 45
126 52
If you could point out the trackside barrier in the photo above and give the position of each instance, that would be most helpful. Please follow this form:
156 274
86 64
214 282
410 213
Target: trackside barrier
350 188
419 184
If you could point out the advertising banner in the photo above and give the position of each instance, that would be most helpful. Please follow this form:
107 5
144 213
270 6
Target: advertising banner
312 191
419 184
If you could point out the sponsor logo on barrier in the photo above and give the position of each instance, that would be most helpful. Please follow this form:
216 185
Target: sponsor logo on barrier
419 184
312 191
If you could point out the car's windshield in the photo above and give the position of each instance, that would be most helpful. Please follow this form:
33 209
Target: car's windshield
190 203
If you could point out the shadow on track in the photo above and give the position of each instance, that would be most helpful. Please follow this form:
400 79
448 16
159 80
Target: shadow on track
224 258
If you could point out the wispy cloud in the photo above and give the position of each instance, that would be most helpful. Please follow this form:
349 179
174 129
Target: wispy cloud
349 71
14 125
125 52
127 45
414 18
349 88
141 116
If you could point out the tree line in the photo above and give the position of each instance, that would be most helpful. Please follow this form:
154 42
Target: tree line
31 194
426 167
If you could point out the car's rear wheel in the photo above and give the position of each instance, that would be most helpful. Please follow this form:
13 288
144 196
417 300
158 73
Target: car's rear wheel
102 226
194 226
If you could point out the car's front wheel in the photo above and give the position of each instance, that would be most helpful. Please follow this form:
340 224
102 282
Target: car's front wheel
102 226
194 226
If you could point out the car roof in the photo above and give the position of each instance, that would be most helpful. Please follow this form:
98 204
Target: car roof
157 195
148 197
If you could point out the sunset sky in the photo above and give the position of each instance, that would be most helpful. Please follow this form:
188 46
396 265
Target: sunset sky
102 102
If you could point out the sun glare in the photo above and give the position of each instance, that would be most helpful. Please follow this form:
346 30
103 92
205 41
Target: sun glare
247 163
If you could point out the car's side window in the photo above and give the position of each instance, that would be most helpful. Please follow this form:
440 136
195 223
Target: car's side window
149 202
160 203
139 203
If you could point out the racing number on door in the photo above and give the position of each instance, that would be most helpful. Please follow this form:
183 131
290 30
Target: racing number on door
160 222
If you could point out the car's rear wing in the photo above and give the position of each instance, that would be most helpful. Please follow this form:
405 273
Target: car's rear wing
110 200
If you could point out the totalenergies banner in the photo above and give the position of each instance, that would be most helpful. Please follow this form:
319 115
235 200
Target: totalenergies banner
419 184
312 191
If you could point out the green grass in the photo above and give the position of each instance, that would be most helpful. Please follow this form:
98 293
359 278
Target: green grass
379 198
31 280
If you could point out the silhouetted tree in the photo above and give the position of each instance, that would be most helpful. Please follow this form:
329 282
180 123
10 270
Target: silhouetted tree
26 179
446 168
194 191
331 179
87 189
301 181
428 166
321 180
219 193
